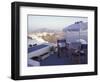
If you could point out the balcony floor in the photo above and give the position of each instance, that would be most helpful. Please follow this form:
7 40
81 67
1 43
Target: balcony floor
53 59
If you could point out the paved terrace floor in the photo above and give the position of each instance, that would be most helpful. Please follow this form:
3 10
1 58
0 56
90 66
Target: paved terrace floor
53 59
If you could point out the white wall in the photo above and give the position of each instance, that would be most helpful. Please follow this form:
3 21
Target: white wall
5 40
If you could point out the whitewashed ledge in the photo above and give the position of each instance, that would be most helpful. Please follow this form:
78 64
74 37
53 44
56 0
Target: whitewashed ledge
33 63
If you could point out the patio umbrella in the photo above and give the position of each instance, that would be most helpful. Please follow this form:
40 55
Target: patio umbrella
76 27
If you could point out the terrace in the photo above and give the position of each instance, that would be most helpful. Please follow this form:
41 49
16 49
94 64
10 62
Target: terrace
46 55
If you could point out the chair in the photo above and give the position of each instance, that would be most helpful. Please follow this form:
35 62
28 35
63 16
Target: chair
62 46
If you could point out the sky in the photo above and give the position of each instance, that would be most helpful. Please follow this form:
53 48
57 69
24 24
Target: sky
52 22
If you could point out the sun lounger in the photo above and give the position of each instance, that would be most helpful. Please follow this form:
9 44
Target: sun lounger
38 50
